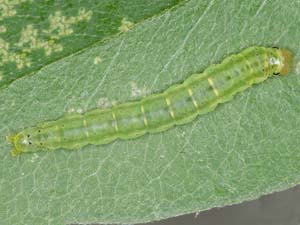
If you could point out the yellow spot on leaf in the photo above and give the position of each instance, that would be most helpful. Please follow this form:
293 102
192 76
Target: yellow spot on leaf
4 54
7 8
137 92
84 15
2 29
20 59
71 110
79 110
32 39
34 157
104 103
125 25
61 25
97 60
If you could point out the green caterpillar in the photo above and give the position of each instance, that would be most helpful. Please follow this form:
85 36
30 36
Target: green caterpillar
179 104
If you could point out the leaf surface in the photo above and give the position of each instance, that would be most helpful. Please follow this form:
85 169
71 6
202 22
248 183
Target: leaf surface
36 33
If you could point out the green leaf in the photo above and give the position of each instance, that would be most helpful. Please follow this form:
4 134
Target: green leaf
36 33
242 150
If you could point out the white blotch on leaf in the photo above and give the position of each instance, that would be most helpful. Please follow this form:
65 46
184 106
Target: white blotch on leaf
79 110
125 25
61 25
97 60
71 110
137 92
20 59
7 8
2 29
32 39
104 103
4 53
84 15
34 157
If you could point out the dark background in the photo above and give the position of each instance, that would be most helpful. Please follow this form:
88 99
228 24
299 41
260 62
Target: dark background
280 208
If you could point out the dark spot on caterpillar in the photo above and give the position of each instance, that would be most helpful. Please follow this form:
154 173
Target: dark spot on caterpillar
30 142
28 135
228 77
277 73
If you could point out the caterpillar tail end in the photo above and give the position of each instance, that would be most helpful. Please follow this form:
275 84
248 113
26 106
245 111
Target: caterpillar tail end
288 61
14 152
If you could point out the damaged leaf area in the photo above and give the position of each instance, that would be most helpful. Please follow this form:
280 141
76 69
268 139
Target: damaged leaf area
34 34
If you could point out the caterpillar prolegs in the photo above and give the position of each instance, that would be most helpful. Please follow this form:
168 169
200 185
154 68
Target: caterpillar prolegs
179 104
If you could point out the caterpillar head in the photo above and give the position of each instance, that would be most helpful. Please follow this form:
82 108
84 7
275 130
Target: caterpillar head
287 58
24 141
280 62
